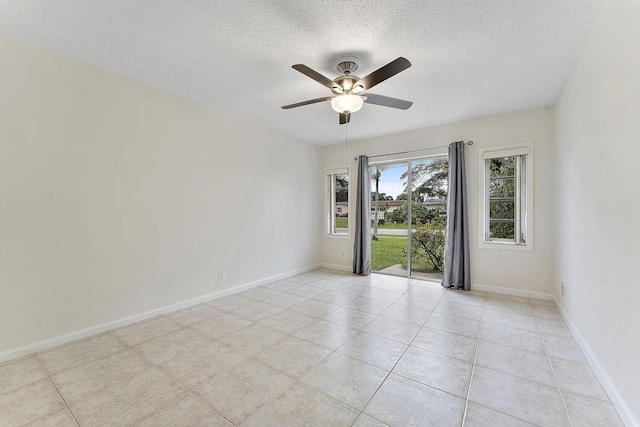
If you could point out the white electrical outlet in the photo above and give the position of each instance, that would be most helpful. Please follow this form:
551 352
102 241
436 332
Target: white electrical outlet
221 275
562 290
342 254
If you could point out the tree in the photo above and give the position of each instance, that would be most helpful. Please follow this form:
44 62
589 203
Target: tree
419 214
381 196
434 186
342 188
376 173
403 196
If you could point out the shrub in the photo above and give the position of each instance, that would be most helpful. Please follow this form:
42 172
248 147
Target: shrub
427 243
419 214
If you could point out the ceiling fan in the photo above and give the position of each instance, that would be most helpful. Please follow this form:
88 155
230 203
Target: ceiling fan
349 90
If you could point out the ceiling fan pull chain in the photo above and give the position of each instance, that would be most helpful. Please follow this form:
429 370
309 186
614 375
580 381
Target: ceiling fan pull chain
346 135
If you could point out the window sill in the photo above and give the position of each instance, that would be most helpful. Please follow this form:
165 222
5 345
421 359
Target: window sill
338 236
509 246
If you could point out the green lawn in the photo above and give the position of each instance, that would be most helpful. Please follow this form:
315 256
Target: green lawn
342 222
391 226
388 251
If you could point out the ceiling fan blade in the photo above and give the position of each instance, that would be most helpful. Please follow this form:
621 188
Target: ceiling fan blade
311 101
387 101
325 81
383 73
344 118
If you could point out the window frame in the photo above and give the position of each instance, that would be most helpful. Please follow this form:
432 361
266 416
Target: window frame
523 193
330 202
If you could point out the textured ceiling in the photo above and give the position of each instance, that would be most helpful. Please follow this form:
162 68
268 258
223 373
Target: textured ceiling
470 58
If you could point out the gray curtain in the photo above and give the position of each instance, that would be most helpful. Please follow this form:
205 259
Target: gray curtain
362 246
456 248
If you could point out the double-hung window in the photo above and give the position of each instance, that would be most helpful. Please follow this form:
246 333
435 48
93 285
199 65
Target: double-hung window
337 201
506 203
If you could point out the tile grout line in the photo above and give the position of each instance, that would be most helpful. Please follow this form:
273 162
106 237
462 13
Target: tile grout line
179 383
334 351
399 358
553 370
252 357
360 412
473 369
390 370
131 347
120 340
57 390
514 375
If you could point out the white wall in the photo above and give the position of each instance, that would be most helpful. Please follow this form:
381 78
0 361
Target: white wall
117 198
598 152
520 271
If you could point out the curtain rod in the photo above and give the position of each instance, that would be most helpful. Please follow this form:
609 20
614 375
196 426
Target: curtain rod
413 151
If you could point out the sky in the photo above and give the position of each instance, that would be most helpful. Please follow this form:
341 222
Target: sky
390 182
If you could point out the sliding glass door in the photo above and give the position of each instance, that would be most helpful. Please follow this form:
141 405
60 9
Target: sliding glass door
389 227
408 202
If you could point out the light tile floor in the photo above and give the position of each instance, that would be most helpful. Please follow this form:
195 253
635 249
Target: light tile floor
324 348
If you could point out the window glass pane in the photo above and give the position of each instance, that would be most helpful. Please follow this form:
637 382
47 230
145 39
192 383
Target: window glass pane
389 226
342 187
502 166
503 209
341 208
506 195
502 230
429 188
499 187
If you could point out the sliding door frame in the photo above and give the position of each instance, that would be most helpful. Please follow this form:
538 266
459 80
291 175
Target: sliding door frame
408 161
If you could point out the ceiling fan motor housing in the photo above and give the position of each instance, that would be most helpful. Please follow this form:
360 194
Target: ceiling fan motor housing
346 66
347 84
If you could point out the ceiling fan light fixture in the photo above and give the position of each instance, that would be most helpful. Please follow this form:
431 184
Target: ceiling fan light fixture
347 103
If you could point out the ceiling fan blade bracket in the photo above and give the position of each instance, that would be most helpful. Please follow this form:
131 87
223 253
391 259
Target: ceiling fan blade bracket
383 73
325 81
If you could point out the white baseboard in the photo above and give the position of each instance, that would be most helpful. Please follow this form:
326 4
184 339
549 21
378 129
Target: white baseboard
628 418
510 291
93 330
337 267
